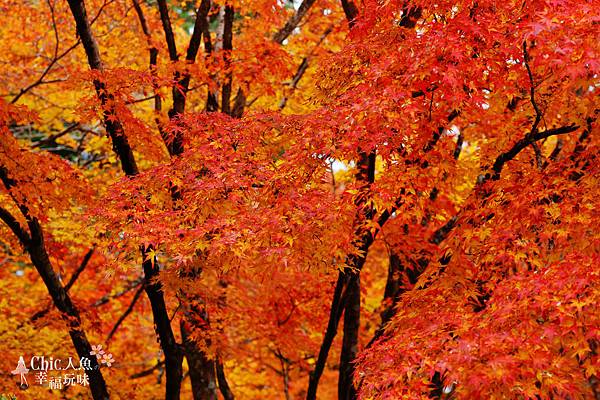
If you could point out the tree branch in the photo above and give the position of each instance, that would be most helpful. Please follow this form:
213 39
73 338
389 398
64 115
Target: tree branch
15 226
163 9
162 324
223 384
113 126
227 48
173 355
292 22
148 371
153 60
530 138
69 284
79 270
304 66
38 254
128 311
106 298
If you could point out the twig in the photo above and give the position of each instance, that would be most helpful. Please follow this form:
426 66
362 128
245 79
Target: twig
128 311
57 57
148 371
72 280
52 138
105 299
82 265
304 66
538 112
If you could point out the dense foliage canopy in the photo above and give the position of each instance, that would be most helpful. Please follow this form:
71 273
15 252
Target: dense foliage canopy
324 199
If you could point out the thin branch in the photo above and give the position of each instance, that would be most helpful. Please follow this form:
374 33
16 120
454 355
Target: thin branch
52 138
284 373
439 235
585 136
69 284
442 233
143 99
538 112
106 298
15 226
57 57
386 214
79 270
304 66
148 371
128 311
539 158
530 138
557 150
293 22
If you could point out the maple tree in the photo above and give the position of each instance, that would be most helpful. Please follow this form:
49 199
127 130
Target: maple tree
257 199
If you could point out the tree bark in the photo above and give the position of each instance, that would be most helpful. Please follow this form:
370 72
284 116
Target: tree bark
70 313
223 385
392 285
173 355
293 22
335 312
33 242
182 78
227 48
113 126
343 289
201 369
162 326
152 64
346 389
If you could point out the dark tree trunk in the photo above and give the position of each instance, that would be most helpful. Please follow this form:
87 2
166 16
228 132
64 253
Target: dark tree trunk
348 284
162 326
335 312
173 354
114 128
346 389
223 385
201 369
33 242
227 48
62 301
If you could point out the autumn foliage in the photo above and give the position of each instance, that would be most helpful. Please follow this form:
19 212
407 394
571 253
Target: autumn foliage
270 199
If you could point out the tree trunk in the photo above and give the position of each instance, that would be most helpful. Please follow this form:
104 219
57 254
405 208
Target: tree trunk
335 312
171 350
201 369
33 242
348 283
162 326
346 389
70 313
227 48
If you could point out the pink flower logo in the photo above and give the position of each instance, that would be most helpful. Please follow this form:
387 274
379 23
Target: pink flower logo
97 351
108 359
